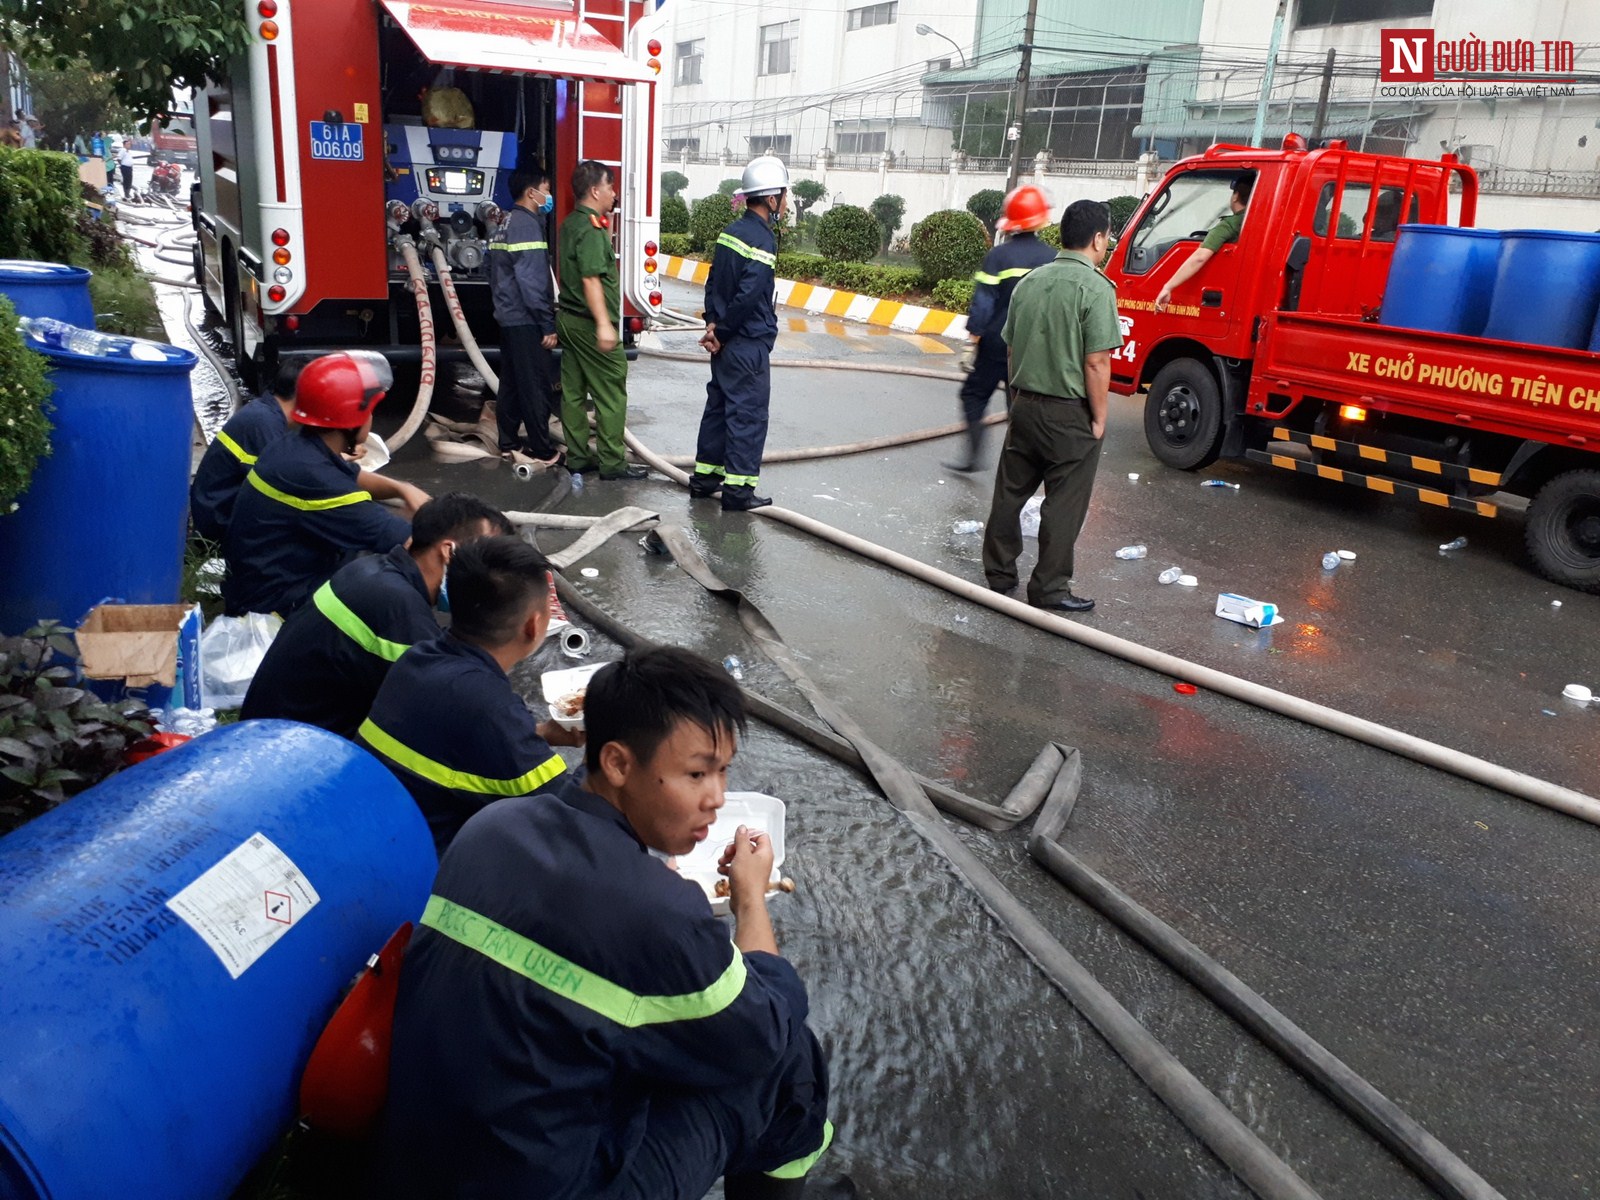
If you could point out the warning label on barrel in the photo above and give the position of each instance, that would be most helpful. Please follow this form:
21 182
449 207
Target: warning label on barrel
246 902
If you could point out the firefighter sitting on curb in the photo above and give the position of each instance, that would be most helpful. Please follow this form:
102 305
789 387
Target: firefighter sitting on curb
572 1020
1026 209
297 519
327 663
446 720
235 449
741 326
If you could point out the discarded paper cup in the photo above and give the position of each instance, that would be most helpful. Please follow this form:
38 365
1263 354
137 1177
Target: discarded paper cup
1347 555
1188 581
1133 477
1576 691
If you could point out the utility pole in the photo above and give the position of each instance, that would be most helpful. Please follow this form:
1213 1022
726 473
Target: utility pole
1019 104
1322 101
1272 69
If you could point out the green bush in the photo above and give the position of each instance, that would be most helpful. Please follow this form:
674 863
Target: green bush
987 206
1122 210
870 279
39 206
679 245
801 266
124 302
24 402
728 187
673 182
890 213
953 295
1051 234
674 215
708 217
807 192
848 234
949 244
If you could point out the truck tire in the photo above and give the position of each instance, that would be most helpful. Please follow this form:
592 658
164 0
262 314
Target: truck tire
1563 530
1183 415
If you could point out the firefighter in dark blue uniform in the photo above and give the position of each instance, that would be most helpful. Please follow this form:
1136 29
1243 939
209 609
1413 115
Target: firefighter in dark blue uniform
1026 209
572 1020
525 307
741 325
446 720
327 663
234 451
305 507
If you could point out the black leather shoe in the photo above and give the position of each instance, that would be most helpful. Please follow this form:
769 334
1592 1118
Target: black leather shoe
703 486
1068 603
626 473
742 499
1005 589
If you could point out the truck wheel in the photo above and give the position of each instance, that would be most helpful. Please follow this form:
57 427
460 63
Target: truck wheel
1563 530
1183 415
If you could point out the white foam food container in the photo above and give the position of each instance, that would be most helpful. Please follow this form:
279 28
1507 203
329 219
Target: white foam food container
1257 614
752 809
557 685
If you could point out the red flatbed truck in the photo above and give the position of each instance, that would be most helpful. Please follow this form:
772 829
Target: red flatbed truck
1272 352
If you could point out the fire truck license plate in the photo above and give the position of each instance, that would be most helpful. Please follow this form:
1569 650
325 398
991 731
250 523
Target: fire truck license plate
342 142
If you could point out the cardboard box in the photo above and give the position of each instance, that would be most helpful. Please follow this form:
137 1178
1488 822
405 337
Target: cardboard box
1257 614
148 652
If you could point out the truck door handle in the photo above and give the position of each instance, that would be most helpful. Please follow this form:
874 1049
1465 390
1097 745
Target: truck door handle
1211 298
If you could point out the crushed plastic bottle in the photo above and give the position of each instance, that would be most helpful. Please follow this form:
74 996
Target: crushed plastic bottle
1128 553
733 666
90 343
1330 560
967 527
1223 483
192 722
1459 543
577 483
1030 517
1170 575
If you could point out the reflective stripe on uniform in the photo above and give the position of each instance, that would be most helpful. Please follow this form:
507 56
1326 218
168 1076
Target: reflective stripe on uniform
565 978
741 480
266 489
800 1166
513 247
353 627
233 448
461 781
765 257
701 468
1008 273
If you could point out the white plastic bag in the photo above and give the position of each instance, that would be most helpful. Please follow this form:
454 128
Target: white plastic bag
231 650
1030 517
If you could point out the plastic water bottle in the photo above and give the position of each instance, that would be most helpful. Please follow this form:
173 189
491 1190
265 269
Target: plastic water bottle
1330 560
1170 575
967 527
89 342
1459 543
577 483
1219 483
733 666
1133 552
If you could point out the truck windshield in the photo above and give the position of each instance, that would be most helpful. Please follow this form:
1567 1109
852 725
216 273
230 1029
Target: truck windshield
1186 209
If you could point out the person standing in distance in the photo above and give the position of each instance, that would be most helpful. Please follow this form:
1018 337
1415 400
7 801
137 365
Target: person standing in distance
1026 210
519 275
593 362
741 326
1061 331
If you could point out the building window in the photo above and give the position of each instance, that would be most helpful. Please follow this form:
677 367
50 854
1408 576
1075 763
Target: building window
689 57
690 145
1347 12
778 145
938 64
863 143
777 47
872 14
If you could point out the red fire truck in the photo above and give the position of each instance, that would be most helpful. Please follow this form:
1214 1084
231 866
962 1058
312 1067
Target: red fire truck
1273 351
323 169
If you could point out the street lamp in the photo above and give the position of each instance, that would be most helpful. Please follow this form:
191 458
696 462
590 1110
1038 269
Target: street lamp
925 30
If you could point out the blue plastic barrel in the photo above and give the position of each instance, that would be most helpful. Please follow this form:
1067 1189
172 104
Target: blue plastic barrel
107 512
166 968
1547 290
41 289
1441 278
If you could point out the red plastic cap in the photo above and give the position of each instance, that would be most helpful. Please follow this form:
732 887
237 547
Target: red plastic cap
339 391
1185 689
1026 208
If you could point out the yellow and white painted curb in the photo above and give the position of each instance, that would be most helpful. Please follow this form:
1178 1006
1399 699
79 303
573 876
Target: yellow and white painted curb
814 298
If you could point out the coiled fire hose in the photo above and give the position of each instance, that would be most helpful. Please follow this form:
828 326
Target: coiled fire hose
430 350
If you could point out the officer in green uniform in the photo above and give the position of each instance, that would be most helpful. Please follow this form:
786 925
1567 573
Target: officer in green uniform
1059 333
1224 231
593 362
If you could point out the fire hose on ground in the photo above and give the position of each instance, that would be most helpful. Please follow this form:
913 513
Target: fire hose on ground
430 354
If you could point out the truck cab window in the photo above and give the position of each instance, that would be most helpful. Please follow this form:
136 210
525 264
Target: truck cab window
1184 211
1353 211
1386 220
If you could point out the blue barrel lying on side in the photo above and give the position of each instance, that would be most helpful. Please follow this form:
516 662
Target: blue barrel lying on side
42 289
1441 278
172 943
1547 290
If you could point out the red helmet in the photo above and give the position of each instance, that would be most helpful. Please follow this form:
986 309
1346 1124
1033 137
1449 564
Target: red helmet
339 391
1026 208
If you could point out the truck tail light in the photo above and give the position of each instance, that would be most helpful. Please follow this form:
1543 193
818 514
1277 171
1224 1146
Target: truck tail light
655 299
281 257
268 8
649 266
275 293
1351 412
650 249
269 31
654 47
280 237
292 323
635 324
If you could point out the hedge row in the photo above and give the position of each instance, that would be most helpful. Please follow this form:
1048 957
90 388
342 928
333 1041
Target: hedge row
39 206
953 295
680 245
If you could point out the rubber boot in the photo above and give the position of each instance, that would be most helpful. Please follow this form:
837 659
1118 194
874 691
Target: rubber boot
703 485
756 1186
974 449
742 499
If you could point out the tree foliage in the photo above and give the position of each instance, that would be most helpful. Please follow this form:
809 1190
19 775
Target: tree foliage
987 206
25 392
674 215
709 216
949 244
889 212
1122 210
728 187
673 182
147 47
76 100
807 192
848 234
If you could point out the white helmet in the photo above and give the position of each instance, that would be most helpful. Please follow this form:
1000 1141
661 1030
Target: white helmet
765 176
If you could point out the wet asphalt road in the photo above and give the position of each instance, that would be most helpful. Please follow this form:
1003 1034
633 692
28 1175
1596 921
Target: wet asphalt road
1436 935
